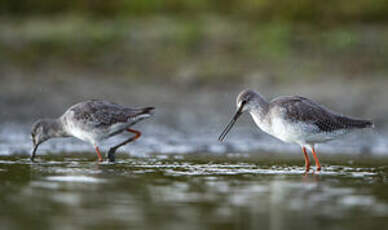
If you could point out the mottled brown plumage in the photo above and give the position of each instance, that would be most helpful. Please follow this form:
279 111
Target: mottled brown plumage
307 110
91 121
295 119
105 113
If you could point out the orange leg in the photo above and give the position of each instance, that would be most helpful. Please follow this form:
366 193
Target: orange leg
306 159
137 134
316 160
99 154
111 153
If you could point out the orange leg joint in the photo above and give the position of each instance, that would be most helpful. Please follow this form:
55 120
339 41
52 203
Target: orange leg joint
137 134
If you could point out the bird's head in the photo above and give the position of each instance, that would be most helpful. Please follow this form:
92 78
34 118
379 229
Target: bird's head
246 101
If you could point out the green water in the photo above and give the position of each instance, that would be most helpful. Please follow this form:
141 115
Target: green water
197 191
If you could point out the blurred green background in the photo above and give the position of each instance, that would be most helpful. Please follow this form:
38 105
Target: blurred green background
205 39
288 46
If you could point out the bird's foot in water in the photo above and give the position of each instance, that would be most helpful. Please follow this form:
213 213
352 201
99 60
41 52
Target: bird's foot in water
111 155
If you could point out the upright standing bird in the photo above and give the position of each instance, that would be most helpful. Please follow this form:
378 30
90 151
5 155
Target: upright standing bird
91 121
295 119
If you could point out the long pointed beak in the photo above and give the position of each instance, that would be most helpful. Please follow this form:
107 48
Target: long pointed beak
33 152
231 123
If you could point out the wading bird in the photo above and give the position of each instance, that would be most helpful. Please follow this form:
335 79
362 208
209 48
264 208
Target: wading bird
295 119
91 121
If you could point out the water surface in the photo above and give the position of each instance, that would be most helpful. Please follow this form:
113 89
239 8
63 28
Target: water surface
192 191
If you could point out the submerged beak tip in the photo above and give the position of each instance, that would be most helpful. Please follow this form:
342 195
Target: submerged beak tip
33 152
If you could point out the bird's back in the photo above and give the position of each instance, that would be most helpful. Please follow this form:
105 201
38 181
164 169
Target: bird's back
98 119
301 109
104 113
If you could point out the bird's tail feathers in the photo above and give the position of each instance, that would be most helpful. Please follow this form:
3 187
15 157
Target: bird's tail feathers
147 110
361 124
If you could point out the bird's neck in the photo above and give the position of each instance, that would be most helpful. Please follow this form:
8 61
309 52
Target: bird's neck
260 108
260 115
55 128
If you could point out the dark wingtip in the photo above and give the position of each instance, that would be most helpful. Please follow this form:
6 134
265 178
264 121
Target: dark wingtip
371 124
148 109
364 124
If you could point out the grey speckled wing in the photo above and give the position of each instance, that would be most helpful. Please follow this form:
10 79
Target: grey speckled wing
104 113
306 110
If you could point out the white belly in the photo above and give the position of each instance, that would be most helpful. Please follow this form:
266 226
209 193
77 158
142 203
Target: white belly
84 135
296 132
288 132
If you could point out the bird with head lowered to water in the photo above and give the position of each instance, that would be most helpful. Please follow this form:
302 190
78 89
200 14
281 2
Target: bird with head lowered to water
92 121
295 119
